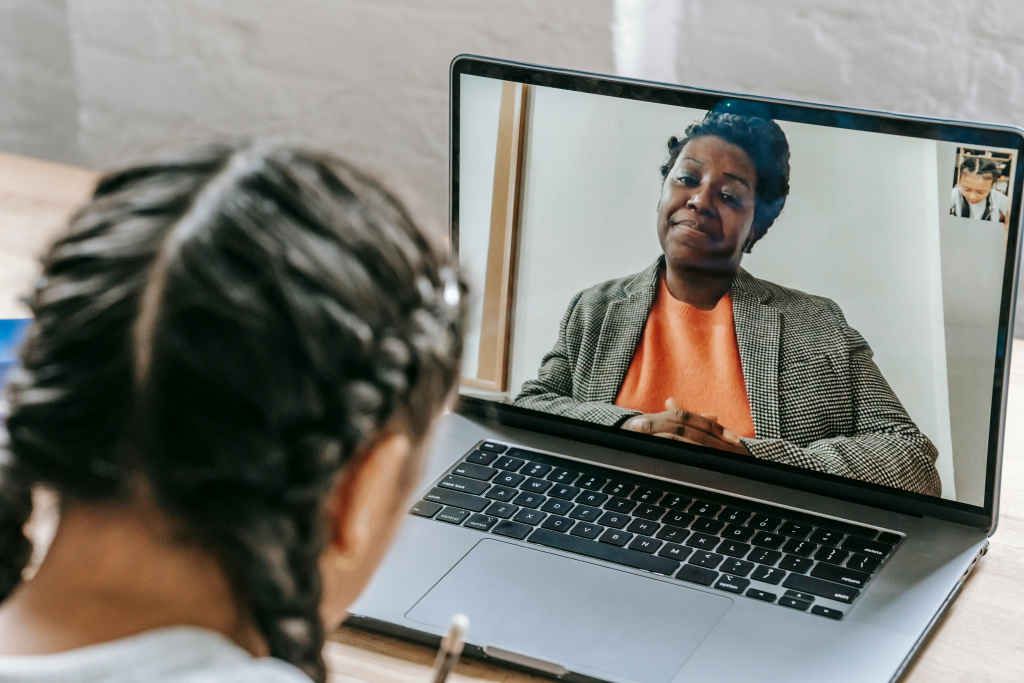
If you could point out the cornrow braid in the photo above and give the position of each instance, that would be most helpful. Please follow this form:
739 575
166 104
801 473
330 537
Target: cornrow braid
275 322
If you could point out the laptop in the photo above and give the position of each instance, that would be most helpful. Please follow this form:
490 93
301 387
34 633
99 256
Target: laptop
734 390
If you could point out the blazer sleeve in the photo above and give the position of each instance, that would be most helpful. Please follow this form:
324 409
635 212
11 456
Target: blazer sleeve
885 446
558 381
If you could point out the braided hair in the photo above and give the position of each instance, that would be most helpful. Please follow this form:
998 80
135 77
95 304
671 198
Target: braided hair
765 144
224 330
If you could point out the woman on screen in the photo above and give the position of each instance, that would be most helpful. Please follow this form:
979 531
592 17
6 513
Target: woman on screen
694 348
975 195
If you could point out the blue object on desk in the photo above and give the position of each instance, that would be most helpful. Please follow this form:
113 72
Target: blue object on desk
12 332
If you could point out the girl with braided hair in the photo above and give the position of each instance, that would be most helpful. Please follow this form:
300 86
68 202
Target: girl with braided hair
236 356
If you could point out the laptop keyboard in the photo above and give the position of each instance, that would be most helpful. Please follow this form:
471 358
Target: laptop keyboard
791 558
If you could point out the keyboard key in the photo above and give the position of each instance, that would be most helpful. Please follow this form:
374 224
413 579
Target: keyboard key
764 556
523 454
558 507
562 476
468 469
733 548
462 484
603 551
508 479
801 548
481 457
732 584
535 469
702 541
618 488
493 447
509 463
675 502
534 485
646 511
737 567
585 513
702 508
674 551
614 520
503 510
563 491
452 515
616 504
502 493
698 575
643 527
797 595
824 589
555 523
586 530
734 516
761 595
795 530
826 537
645 544
827 612
512 529
707 525
801 605
847 577
644 495
527 516
703 559
865 547
764 523
680 519
738 533
770 575
529 500
591 483
672 534
795 563
763 540
424 508
481 522
456 498
889 538
863 563
831 555
616 537
592 498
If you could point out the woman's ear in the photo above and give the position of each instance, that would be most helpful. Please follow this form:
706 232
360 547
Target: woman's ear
368 496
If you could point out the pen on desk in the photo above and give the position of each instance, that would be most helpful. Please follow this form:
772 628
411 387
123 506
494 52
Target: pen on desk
451 647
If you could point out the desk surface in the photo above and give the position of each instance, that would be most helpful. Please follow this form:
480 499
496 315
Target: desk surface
981 638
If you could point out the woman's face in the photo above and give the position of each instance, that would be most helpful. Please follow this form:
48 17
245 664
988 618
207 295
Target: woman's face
707 205
974 187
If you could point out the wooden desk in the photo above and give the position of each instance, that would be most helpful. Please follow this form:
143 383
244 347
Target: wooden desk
981 639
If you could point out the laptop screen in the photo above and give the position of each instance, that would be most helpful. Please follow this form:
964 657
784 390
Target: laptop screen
806 288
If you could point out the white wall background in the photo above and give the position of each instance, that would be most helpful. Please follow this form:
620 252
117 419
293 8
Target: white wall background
859 227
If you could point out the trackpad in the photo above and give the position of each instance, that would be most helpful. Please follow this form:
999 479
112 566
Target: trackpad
588 618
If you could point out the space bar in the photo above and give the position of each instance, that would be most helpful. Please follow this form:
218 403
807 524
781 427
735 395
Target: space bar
603 551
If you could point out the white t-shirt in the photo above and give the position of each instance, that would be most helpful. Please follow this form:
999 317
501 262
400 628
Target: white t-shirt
180 654
998 200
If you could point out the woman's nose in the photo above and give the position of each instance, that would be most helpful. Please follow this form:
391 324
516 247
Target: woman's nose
700 200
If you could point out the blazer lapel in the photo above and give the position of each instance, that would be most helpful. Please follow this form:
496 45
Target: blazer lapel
623 326
758 328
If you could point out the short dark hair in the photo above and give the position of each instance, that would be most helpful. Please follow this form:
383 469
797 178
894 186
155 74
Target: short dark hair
765 144
229 327
981 166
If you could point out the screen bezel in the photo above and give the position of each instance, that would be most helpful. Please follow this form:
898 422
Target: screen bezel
966 134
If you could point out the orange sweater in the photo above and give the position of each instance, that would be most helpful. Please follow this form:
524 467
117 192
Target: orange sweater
692 356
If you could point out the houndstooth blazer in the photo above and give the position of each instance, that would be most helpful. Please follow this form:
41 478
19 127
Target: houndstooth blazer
817 398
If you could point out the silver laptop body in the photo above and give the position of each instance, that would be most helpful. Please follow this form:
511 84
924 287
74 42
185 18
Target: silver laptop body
538 604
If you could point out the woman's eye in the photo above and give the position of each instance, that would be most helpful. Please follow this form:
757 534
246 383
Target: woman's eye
688 180
731 199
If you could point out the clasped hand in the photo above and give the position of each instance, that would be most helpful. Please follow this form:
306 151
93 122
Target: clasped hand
702 429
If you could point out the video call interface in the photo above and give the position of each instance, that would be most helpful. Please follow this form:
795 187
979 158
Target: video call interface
800 294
